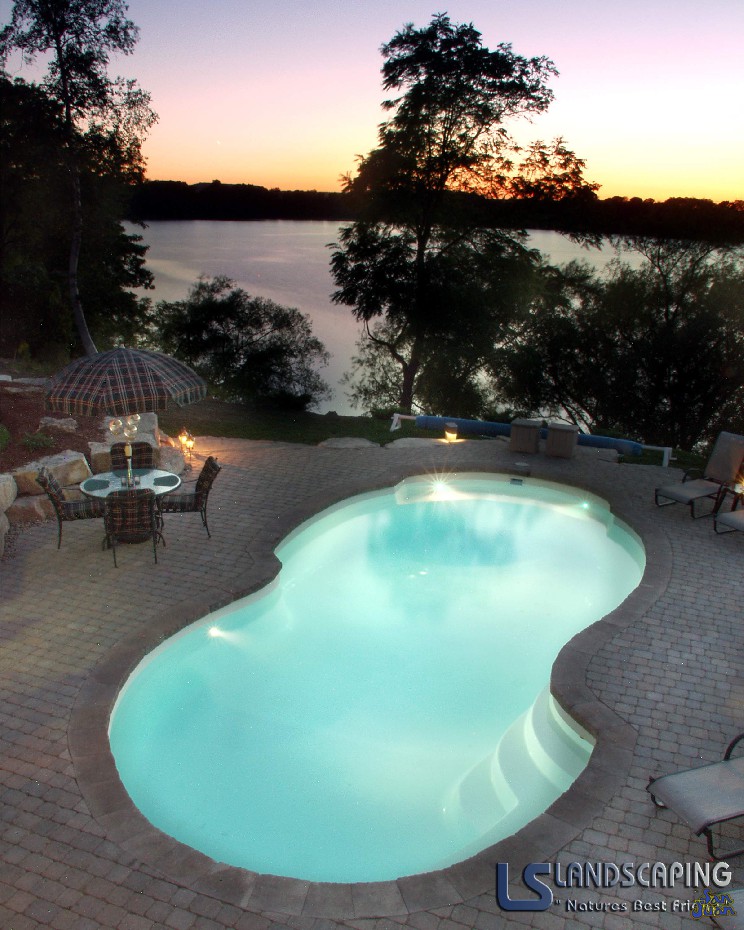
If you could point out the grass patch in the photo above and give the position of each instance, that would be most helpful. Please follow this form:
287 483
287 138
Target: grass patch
214 417
219 418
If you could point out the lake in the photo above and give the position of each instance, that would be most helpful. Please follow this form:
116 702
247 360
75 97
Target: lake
288 262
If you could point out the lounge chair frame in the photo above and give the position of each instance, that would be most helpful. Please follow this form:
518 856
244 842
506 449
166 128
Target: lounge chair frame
721 471
733 519
719 800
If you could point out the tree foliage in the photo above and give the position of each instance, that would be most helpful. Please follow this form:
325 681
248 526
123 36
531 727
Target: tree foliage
35 232
654 352
102 119
248 348
415 258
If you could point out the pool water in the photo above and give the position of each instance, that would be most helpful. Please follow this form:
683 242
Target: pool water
381 709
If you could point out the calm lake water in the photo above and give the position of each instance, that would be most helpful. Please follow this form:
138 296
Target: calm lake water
288 262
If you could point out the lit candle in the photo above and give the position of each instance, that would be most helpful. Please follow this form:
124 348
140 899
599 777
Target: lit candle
128 451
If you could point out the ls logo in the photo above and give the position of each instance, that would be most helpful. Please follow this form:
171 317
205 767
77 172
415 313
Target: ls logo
544 893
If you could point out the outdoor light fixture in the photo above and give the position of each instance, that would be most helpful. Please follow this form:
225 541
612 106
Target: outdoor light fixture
187 445
450 432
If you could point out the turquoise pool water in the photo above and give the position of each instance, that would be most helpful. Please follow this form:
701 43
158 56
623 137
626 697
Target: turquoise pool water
378 710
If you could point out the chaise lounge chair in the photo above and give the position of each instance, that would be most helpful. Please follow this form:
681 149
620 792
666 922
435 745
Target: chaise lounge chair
733 520
705 796
723 469
727 522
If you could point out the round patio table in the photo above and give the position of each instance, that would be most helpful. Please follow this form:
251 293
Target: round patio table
157 480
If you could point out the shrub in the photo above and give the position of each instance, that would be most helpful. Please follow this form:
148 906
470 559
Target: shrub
35 441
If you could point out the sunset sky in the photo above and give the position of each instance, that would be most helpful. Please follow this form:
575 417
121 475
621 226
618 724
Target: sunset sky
285 93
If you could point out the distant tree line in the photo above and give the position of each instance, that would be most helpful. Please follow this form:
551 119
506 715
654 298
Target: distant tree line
176 200
583 214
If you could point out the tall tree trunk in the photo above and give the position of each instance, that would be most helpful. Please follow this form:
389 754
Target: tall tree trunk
410 371
72 270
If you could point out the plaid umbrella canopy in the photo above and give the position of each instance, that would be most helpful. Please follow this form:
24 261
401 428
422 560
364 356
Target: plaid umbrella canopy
123 381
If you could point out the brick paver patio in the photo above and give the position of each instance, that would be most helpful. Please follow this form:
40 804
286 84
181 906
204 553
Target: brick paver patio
659 681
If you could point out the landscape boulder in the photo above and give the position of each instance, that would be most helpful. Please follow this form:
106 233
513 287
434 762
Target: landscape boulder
8 491
172 460
68 467
68 424
30 510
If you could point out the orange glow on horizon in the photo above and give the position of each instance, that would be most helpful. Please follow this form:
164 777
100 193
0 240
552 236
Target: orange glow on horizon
322 171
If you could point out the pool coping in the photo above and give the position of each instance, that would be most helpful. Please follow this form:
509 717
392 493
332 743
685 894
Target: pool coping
540 840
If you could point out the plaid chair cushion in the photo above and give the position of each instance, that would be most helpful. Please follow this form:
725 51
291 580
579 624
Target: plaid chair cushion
193 501
83 510
143 456
50 484
209 472
130 517
68 510
64 509
178 502
130 514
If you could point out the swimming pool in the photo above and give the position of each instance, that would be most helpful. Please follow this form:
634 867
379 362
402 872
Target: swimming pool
356 721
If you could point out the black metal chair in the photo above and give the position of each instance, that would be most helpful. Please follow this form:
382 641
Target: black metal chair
131 518
193 501
143 456
68 510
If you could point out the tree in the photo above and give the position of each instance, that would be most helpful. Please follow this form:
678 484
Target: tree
475 289
420 224
79 36
249 348
34 232
654 352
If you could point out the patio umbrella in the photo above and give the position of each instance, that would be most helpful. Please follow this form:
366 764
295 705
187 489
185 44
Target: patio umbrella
123 381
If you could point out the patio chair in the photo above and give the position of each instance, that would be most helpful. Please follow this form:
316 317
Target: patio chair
193 501
705 796
728 521
67 510
723 469
143 456
131 518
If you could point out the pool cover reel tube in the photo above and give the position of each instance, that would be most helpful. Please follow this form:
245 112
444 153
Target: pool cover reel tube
484 428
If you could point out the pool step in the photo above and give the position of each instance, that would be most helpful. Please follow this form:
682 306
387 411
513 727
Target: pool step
536 760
